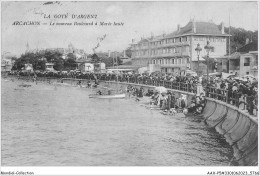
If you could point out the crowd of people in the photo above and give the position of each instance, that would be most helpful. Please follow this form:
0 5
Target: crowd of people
198 103
235 91
231 90
168 102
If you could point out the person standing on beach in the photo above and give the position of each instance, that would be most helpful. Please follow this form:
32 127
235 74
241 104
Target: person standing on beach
18 75
35 78
128 91
141 92
88 84
173 100
169 100
79 83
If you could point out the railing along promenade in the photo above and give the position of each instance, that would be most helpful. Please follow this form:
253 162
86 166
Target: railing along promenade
228 96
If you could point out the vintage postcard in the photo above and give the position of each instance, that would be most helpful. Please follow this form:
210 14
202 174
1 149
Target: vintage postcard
129 83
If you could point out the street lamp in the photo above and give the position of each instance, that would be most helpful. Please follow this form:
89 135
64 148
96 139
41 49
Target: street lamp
198 49
208 48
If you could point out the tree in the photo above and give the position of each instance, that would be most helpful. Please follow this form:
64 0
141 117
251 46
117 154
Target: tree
238 37
70 64
52 56
39 65
58 64
128 52
118 61
110 62
95 59
37 62
13 59
71 56
24 59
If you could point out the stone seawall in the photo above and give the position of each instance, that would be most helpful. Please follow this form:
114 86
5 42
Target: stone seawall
239 128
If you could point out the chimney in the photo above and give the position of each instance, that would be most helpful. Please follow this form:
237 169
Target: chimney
108 53
151 35
179 28
222 28
193 26
124 54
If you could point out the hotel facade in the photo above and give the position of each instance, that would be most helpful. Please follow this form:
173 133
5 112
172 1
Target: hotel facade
175 52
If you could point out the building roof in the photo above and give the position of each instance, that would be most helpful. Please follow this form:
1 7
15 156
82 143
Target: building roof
153 38
201 28
102 55
253 46
159 37
235 55
112 54
207 28
143 40
128 63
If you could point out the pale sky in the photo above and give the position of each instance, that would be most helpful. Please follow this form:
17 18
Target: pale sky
139 18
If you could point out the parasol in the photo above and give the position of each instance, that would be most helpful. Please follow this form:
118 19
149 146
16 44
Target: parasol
161 89
241 79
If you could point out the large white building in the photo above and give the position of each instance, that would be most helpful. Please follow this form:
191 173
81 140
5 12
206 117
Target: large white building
175 52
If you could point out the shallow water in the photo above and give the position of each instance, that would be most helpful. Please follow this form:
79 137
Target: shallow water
47 126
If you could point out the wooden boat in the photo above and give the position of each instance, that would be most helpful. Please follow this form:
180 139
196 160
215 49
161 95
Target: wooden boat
115 96
112 96
24 85
189 114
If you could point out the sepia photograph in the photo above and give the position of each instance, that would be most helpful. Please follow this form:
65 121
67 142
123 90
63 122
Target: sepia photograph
129 83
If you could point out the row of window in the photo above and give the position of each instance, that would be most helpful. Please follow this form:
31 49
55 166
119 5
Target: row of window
171 61
211 39
180 39
171 40
247 61
161 51
164 41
